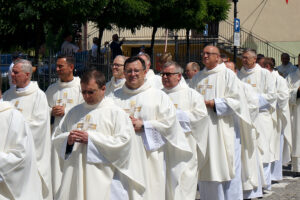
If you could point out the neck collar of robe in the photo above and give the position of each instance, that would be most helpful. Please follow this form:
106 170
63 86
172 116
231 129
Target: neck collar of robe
29 89
104 102
245 70
73 83
144 87
177 88
149 74
218 68
275 73
117 82
5 105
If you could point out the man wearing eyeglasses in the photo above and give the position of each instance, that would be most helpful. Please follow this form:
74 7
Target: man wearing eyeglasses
118 79
192 116
96 145
162 144
220 89
62 96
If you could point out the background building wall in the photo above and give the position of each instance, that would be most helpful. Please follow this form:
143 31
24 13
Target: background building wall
273 20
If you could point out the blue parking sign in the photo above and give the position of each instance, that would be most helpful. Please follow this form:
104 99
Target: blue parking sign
236 25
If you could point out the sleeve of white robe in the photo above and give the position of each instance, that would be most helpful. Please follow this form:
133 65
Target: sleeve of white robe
114 145
17 160
167 124
235 97
270 90
39 124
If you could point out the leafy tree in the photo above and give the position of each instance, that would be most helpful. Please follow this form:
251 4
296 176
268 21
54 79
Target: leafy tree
123 13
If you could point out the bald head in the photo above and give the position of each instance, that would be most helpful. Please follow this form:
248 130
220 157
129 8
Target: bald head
210 56
191 69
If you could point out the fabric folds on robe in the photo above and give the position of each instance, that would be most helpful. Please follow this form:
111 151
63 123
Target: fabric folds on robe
113 85
18 169
153 79
67 94
192 116
169 152
283 119
32 103
294 83
220 82
264 85
90 169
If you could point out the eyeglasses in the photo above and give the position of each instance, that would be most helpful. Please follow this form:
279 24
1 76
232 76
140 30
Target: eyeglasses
208 54
162 74
89 92
116 65
135 71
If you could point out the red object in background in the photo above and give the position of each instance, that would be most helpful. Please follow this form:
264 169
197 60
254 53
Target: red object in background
287 1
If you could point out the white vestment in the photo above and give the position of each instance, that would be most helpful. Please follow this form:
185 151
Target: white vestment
67 94
294 84
264 84
221 85
192 116
32 103
162 144
252 168
19 177
188 81
153 79
285 70
283 155
113 85
108 166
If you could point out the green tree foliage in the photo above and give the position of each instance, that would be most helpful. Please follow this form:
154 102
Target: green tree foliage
29 23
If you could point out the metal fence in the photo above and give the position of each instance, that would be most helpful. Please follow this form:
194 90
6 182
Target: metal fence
45 72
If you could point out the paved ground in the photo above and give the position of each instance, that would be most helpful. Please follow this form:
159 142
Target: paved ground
287 189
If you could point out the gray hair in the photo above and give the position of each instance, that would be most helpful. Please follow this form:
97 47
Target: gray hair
178 68
148 59
122 57
252 51
26 66
195 66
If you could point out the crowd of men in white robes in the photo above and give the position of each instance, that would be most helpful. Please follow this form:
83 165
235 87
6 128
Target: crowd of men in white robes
225 132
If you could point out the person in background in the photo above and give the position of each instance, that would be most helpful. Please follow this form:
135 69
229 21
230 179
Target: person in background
286 67
115 46
191 69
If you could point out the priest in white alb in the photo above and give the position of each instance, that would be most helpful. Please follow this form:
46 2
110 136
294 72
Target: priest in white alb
62 96
220 89
162 143
31 101
282 142
192 116
293 80
264 84
153 79
100 157
117 81
251 167
19 177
